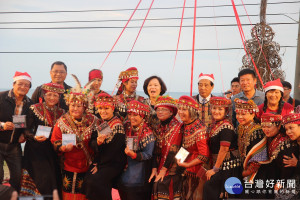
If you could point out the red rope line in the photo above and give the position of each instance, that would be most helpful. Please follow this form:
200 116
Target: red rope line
243 40
193 49
218 50
179 35
258 41
139 31
121 33
238 22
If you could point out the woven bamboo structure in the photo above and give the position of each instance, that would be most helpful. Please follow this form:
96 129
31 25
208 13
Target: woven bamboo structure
264 51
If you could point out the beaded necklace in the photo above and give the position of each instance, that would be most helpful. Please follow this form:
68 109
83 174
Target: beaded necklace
244 138
47 115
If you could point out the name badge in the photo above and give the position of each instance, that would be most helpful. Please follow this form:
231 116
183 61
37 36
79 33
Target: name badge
69 139
43 131
182 154
104 129
19 121
132 143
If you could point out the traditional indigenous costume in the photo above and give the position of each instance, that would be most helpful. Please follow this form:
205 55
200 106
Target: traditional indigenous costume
195 142
221 133
110 158
168 141
134 183
153 120
40 173
294 118
204 103
77 161
122 98
278 146
94 74
252 146
286 107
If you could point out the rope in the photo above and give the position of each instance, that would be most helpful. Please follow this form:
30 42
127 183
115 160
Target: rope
121 33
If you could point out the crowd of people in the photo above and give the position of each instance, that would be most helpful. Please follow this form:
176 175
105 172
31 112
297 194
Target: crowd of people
83 143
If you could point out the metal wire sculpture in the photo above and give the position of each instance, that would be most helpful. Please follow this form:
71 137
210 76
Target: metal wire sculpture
264 51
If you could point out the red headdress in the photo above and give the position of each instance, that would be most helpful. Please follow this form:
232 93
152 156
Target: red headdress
220 102
292 118
95 73
138 108
268 119
167 102
242 106
104 99
53 87
188 102
130 73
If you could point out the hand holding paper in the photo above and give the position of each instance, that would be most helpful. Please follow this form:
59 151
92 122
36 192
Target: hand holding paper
100 139
129 152
182 154
40 138
19 121
68 139
132 142
43 131
66 148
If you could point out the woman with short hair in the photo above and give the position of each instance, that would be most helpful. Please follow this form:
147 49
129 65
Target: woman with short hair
76 158
108 144
223 148
168 134
274 100
41 116
134 183
252 144
153 87
195 142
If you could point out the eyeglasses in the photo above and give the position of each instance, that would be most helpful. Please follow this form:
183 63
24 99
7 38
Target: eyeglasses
23 85
58 72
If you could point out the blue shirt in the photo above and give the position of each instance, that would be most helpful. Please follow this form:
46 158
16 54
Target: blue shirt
258 98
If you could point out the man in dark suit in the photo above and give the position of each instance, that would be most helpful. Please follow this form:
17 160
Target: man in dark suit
205 87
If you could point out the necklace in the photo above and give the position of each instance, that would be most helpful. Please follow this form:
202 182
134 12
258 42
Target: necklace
128 96
138 130
244 138
47 115
49 108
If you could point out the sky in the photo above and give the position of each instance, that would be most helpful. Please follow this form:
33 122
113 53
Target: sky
151 38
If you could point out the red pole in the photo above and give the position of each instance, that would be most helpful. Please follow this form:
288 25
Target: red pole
193 49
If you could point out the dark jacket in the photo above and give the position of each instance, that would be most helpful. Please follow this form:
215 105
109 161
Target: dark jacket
7 110
39 93
293 102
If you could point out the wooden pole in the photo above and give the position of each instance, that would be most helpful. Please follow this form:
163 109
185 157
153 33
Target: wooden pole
297 69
